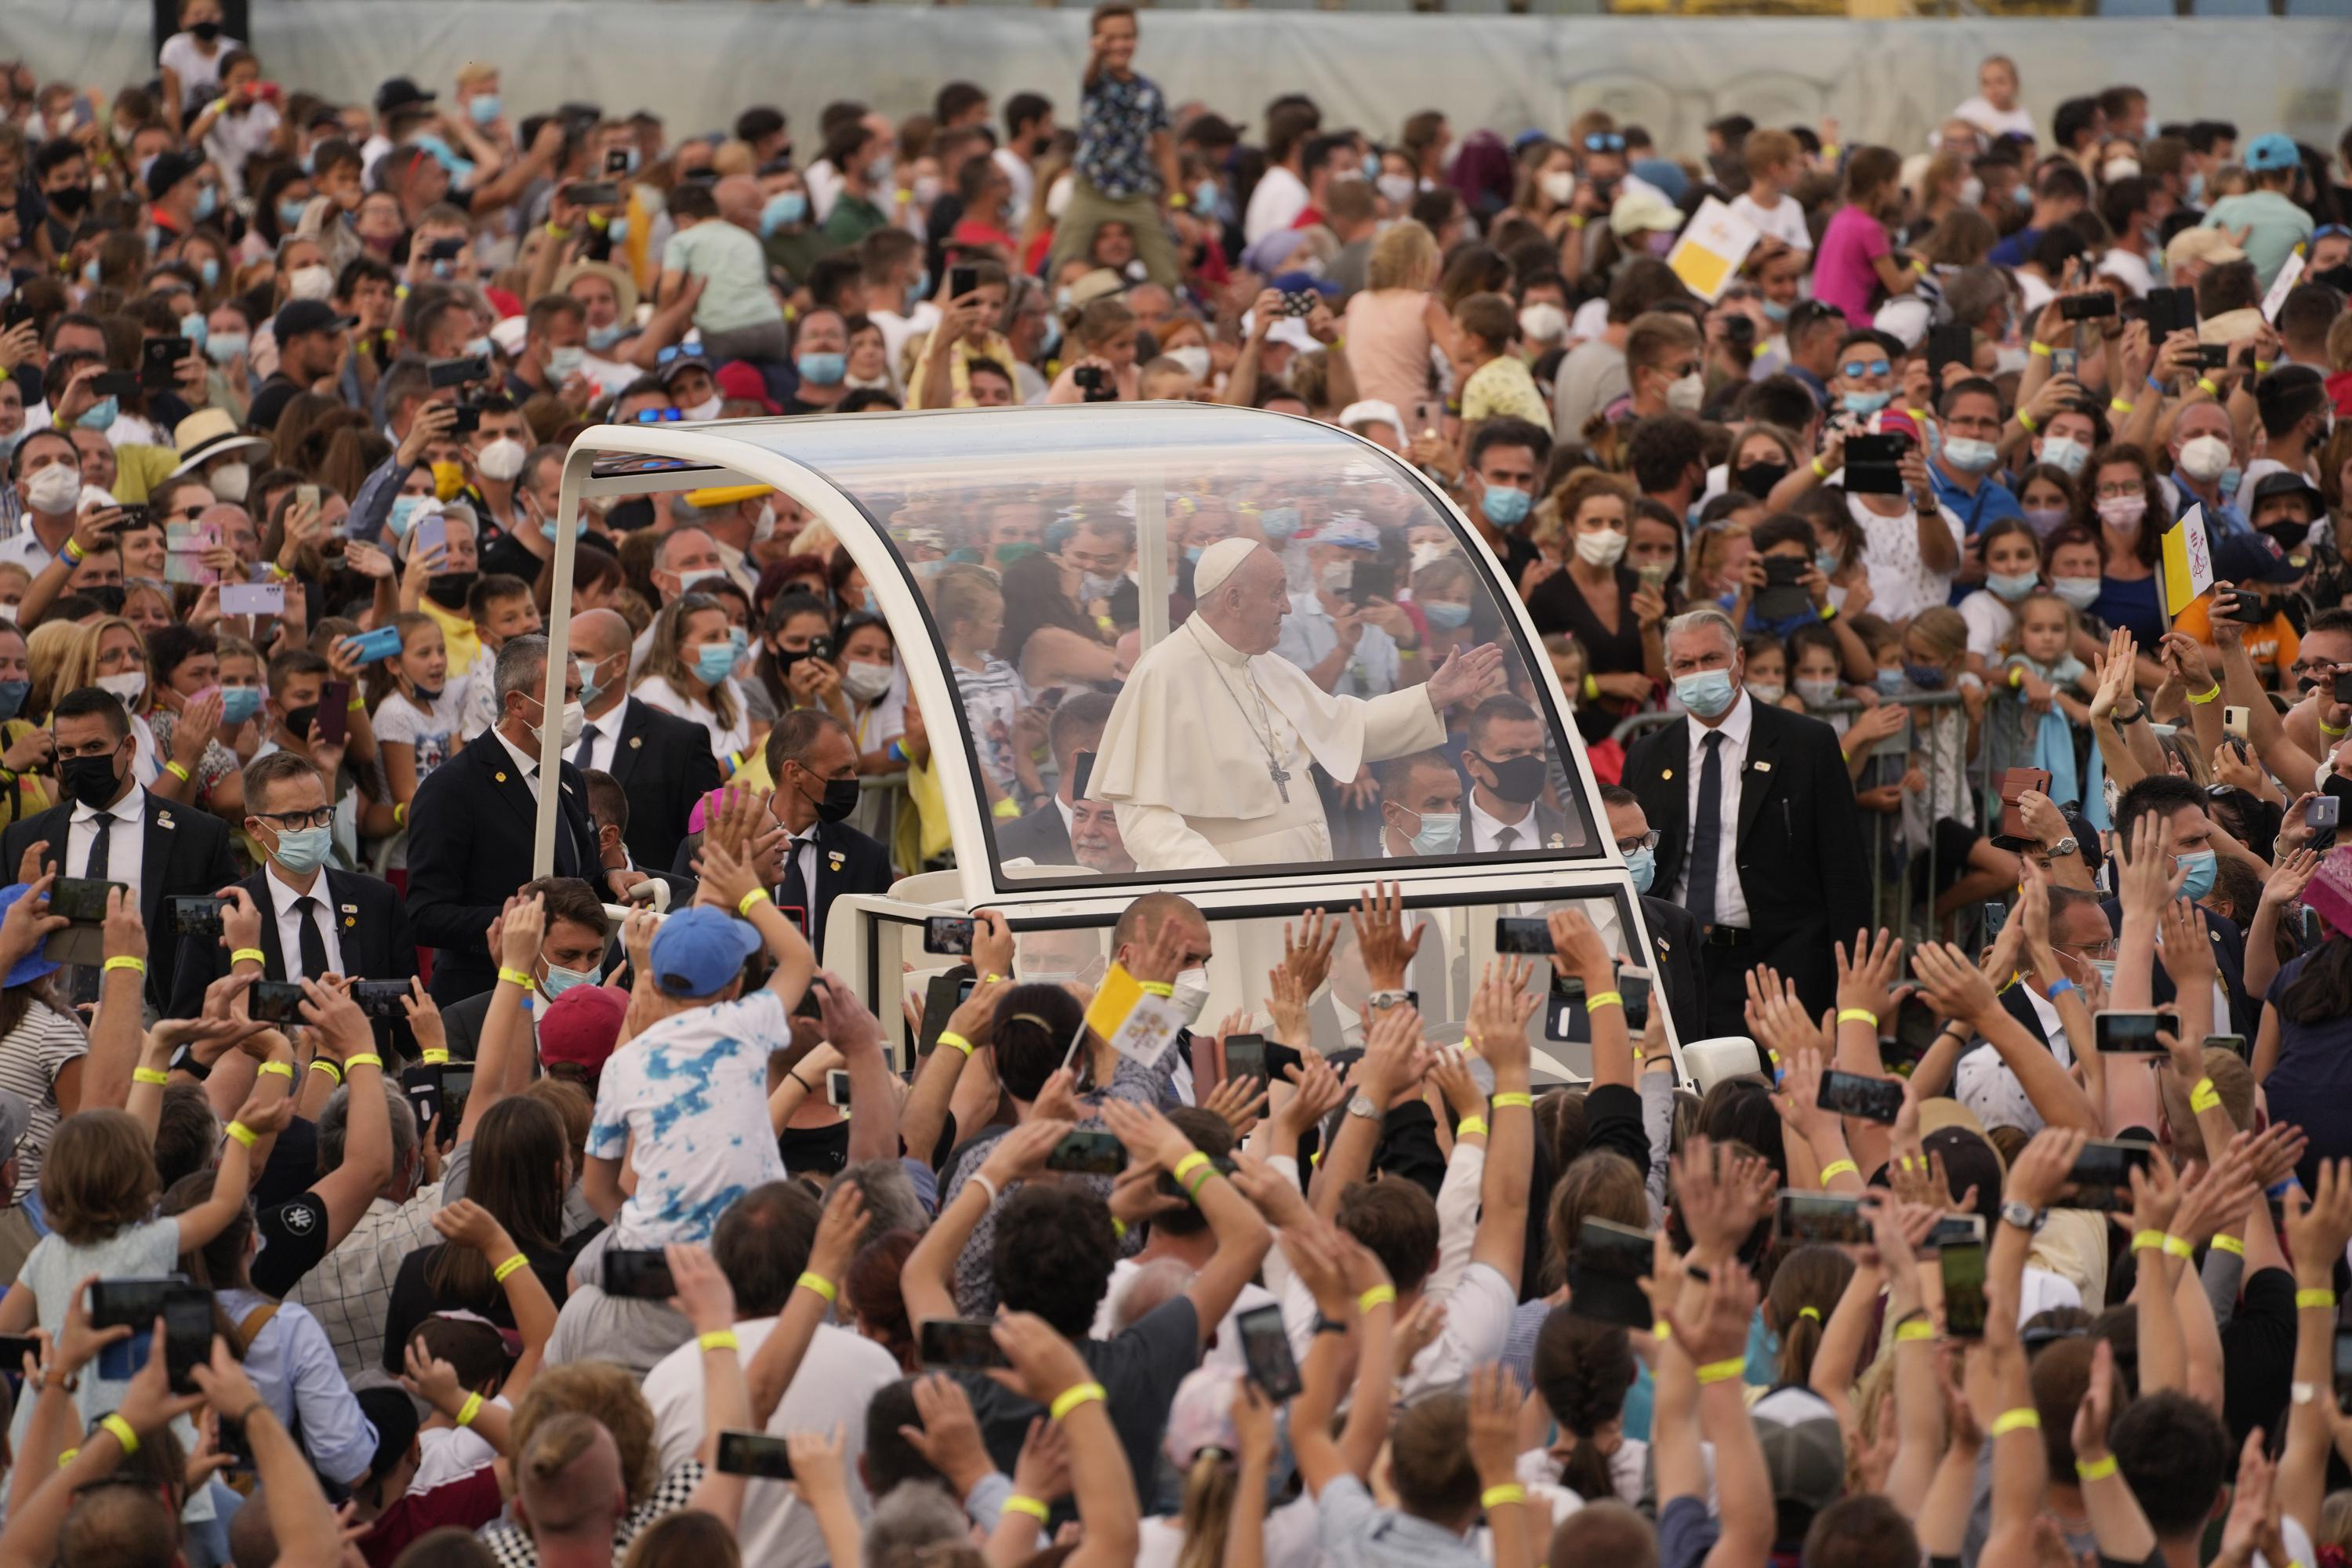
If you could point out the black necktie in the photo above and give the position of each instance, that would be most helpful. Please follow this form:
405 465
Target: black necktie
1507 838
1706 833
314 946
96 869
796 888
584 759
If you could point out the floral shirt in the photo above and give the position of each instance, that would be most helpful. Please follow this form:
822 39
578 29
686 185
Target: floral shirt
1116 119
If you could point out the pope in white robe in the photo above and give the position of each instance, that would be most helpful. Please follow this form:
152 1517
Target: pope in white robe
1207 755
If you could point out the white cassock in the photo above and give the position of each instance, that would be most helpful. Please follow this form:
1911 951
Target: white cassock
1205 743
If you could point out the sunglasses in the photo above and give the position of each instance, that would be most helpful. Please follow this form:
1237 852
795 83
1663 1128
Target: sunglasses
1854 369
1603 141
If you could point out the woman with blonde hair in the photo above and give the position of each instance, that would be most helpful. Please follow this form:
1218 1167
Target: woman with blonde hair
109 653
45 655
1395 319
687 672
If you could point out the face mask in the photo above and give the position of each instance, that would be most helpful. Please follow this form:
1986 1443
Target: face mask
100 414
2076 590
1862 403
107 597
1505 507
2045 521
1817 693
575 720
208 271
239 703
839 799
1205 196
822 369
1052 339
448 589
1685 395
403 508
1278 523
2022 195
564 363
1924 677
713 661
2231 477
448 478
2204 457
1191 993
1654 572
207 31
1193 358
53 490
2115 169
1888 681
315 282
1439 834
1398 188
867 682
706 409
1602 549
1642 865
1758 478
500 460
1707 693
1518 780
485 107
226 348
1766 691
1444 616
68 200
90 273
230 482
547 530
560 979
191 327
2123 513
917 291
303 850
2197 867
290 215
1543 322
208 202
12 698
1336 578
1825 561
1968 455
784 210
2064 453
90 780
2011 586
1559 185
602 338
1971 191
481 347
1091 587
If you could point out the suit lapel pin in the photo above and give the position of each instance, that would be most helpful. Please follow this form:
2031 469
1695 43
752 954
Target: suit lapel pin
1760 765
1559 841
833 859
1665 773
500 777
635 741
164 819
1665 947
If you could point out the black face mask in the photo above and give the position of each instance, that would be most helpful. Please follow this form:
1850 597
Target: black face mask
299 721
448 589
207 31
107 596
1758 478
2288 536
91 781
1518 780
839 800
69 199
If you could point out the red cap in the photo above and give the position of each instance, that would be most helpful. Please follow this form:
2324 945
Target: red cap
1898 422
581 1026
739 380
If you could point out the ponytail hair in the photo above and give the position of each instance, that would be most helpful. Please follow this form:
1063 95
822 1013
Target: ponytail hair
1805 1291
1582 1368
1206 1508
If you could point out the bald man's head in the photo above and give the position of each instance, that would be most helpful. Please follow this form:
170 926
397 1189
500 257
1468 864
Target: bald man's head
600 640
599 634
1247 608
739 200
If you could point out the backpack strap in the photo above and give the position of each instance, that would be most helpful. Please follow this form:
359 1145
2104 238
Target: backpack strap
249 1326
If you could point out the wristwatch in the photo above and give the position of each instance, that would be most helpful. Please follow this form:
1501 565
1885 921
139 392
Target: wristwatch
184 1059
1323 1325
2022 1215
1388 999
1362 1106
2066 845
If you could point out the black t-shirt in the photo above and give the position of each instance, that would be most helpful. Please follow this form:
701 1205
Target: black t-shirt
293 1240
815 1151
2258 1354
293 1166
412 1298
271 401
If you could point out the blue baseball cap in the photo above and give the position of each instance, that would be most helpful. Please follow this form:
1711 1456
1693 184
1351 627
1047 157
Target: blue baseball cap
2272 152
698 951
32 966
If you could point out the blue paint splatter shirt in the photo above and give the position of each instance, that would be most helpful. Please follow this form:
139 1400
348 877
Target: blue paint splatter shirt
688 1101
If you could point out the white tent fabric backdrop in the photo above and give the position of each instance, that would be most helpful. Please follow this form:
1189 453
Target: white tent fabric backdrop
696 62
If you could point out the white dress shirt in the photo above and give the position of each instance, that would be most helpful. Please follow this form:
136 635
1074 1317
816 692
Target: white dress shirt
526 761
604 736
289 923
1731 898
1485 829
126 841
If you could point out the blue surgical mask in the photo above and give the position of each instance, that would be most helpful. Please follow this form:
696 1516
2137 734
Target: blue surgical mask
1825 561
192 327
485 107
89 272
2009 587
1052 338
560 979
1924 677
579 531
208 270
290 215
1444 616
1642 864
741 639
1505 507
207 204
1775 312
784 209
481 347
2105 968
820 369
619 229
602 338
1966 455
1192 552
302 850
1888 681
2231 477
100 414
2197 190
2065 454
2197 873
1707 693
239 703
714 661
1864 403
1279 523
1441 833
402 508
564 363
2022 195
12 698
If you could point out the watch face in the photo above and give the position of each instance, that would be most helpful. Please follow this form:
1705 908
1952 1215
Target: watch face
1362 1106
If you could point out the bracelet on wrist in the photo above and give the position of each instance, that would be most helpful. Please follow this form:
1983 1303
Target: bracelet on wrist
1497 1497
363 1059
518 977
136 966
720 1339
471 1408
504 1270
1378 1296
122 1432
1722 1371
2024 1418
1837 1168
1070 1398
820 1285
150 1074
2097 1470
1029 1507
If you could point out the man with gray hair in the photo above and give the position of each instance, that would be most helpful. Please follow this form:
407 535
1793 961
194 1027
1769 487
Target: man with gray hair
350 1289
473 820
1759 835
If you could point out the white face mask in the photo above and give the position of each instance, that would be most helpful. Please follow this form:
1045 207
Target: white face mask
1971 191
501 459
575 720
706 409
53 490
864 681
2203 458
128 687
2115 169
1195 359
315 282
1336 578
1685 395
1191 993
1558 184
1602 549
1542 323
1399 188
230 482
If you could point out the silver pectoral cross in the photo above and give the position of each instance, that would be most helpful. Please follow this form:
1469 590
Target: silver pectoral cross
1281 777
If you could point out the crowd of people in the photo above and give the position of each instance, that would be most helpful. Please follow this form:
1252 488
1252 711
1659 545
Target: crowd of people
370 1199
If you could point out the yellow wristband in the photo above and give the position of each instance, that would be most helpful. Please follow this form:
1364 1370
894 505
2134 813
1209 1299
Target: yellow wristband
2147 1240
1722 1371
138 965
467 1411
2038 350
1469 1125
1188 1164
1077 1394
255 953
1857 1015
2095 1469
2178 1246
1591 687
504 1270
2208 696
1506 1101
518 977
176 770
720 1339
2205 384
820 1284
284 1069
1600 999
1837 1168
122 1433
322 1064
1820 470
363 1059
2334 734
1378 1296
1159 988
358 704
2262 366
243 1134
757 895
400 813
2224 1242
1917 1329
2117 406
1005 810
2024 1418
1118 1227
1661 1331
2315 1299
67 1457
2204 1097
1495 1497
2027 420
433 1055
950 1037
1030 1506
149 1075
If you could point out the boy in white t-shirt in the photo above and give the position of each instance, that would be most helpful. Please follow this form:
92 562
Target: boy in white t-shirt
1774 162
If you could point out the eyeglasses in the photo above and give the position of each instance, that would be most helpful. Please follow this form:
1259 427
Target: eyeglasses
1855 369
658 415
1634 846
1603 141
287 821
677 351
